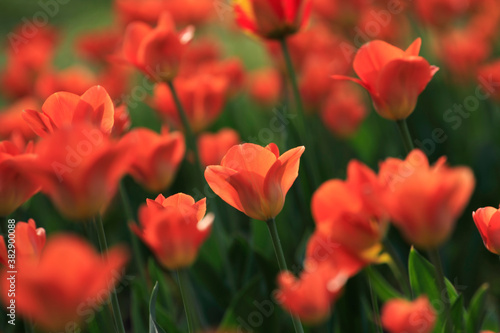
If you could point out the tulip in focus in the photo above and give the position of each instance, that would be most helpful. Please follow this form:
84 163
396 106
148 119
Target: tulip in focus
272 19
156 52
213 147
400 315
425 201
254 179
174 228
70 277
393 77
487 221
155 157
29 242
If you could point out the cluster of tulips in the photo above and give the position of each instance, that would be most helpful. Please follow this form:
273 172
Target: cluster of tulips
71 136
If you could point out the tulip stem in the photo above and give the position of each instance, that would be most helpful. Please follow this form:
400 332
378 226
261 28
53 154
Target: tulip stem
443 291
278 250
398 268
114 297
182 278
405 134
190 138
376 310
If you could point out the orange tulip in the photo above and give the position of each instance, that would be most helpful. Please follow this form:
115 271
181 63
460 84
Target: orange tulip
272 19
424 202
400 315
487 221
174 228
64 109
213 147
254 179
156 52
349 213
393 77
67 285
155 157
203 97
311 296
29 242
79 169
15 185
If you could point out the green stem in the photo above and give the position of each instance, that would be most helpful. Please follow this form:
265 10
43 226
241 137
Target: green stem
28 326
278 250
135 244
398 268
374 302
182 280
443 291
190 137
405 134
114 298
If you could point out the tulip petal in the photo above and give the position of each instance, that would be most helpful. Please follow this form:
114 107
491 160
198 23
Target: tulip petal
218 178
60 107
414 48
135 33
96 106
40 123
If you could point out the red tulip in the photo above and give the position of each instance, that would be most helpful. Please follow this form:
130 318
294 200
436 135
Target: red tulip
272 19
28 243
203 97
157 52
75 80
311 296
79 169
65 109
393 77
399 315
174 228
15 185
265 86
213 147
98 46
12 120
424 202
254 179
155 157
487 221
489 74
70 278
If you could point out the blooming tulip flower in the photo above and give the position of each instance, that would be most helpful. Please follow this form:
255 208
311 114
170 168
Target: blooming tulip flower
254 179
272 19
424 202
79 169
65 109
174 228
156 52
487 221
400 315
15 185
69 278
29 242
393 77
155 157
213 147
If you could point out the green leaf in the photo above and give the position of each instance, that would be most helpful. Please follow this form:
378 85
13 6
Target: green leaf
153 326
476 311
382 288
457 314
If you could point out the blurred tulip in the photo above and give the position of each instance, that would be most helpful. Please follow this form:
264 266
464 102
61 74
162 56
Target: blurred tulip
70 278
157 52
79 169
400 315
98 46
29 242
441 13
343 111
424 202
213 147
122 121
487 221
393 77
350 214
75 80
264 86
272 19
254 179
65 109
174 228
202 96
12 120
15 185
311 296
155 157
488 75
